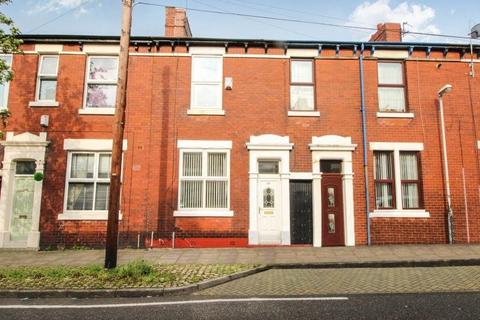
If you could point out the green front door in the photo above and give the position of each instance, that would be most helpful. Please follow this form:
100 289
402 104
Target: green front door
24 186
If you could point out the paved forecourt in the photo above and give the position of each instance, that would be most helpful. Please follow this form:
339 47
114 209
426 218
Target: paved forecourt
303 282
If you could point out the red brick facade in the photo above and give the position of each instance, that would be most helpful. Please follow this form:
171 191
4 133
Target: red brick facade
158 98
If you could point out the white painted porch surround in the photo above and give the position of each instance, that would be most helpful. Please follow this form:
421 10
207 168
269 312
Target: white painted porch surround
333 147
269 146
25 146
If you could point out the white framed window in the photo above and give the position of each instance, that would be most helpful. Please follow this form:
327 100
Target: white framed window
206 90
101 82
397 180
204 179
88 182
47 78
391 87
4 87
302 85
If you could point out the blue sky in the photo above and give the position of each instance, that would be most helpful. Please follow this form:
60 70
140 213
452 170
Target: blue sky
102 17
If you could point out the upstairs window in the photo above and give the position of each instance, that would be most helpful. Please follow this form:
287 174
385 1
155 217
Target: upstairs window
391 87
7 59
207 82
302 85
47 78
101 84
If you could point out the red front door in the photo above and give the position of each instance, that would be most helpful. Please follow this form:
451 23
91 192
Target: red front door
332 210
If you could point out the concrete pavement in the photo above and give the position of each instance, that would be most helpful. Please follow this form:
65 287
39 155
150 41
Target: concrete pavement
259 255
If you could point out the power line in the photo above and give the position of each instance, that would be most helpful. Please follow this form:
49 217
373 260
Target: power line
303 21
59 16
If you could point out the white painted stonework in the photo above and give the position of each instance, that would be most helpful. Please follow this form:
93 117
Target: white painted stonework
332 147
25 146
269 147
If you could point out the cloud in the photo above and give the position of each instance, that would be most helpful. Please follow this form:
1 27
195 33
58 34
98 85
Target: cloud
58 5
419 17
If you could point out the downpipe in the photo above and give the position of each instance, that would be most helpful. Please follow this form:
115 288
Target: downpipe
365 149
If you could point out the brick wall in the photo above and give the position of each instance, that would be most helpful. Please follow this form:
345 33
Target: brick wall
157 102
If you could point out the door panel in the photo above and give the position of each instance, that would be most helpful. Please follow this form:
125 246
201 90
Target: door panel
22 207
269 215
301 217
332 210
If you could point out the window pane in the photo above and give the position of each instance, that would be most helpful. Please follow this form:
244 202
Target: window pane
103 69
104 166
383 165
101 96
217 194
301 97
302 71
383 195
101 198
331 166
390 73
25 167
217 165
48 90
207 69
269 167
82 165
80 196
410 195
206 95
191 193
391 99
408 166
49 66
192 164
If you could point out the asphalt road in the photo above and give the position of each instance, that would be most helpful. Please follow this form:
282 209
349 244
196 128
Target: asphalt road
386 306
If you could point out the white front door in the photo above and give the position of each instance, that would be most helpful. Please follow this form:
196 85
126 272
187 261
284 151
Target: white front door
269 211
22 208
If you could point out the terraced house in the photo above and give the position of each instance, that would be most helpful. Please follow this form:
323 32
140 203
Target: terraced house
235 142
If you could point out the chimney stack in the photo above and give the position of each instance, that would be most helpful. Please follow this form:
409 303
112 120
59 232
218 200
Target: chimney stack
176 23
387 32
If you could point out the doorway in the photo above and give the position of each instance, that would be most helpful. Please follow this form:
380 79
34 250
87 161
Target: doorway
301 212
22 208
332 203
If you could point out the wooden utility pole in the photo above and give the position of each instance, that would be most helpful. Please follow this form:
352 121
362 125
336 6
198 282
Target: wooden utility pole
118 127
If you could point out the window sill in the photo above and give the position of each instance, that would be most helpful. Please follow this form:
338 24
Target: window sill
43 104
203 213
86 215
206 112
395 115
97 111
413 213
292 113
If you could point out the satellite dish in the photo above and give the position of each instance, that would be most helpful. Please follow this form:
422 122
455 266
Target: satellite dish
475 33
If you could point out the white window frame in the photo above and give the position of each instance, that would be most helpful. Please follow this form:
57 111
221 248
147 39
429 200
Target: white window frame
4 103
307 112
41 77
399 211
85 214
89 110
204 147
214 110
